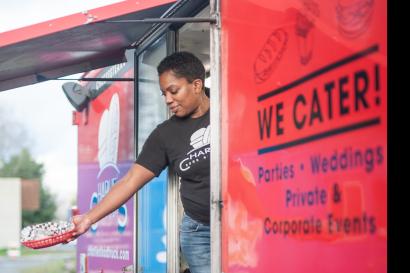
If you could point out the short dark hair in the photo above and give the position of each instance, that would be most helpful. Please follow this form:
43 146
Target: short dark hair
183 64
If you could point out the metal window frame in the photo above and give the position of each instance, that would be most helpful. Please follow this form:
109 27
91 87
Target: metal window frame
136 131
173 250
137 52
216 138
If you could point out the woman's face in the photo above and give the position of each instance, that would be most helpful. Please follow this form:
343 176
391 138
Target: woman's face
182 97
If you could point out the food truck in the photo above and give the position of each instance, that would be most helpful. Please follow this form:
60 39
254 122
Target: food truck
298 117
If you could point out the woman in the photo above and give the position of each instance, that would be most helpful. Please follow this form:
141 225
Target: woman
182 143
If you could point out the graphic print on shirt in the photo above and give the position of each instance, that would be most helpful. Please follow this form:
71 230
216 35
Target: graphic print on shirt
200 140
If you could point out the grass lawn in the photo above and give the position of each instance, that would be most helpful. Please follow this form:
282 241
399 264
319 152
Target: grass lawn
3 252
27 251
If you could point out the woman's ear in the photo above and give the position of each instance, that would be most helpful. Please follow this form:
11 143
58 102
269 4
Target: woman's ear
198 86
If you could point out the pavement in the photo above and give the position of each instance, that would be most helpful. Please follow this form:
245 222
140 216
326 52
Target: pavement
56 253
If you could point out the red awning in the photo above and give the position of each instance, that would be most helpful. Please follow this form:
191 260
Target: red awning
74 43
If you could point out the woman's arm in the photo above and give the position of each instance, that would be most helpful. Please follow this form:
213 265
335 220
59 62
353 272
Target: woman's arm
135 179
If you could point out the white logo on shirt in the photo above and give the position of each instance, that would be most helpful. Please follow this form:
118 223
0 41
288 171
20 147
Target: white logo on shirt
199 139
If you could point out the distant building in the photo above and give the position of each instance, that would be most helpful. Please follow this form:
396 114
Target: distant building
16 194
30 194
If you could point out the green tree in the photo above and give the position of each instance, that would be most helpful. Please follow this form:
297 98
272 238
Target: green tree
24 166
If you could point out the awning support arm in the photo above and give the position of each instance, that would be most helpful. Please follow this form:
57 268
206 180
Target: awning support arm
211 20
97 79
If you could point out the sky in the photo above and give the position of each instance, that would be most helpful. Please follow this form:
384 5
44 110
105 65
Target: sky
42 108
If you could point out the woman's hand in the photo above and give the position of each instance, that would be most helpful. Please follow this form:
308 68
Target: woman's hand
82 223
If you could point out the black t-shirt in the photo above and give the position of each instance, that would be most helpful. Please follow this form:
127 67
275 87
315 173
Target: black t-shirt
184 145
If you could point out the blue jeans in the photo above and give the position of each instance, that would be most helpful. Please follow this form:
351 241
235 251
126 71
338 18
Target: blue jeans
195 245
